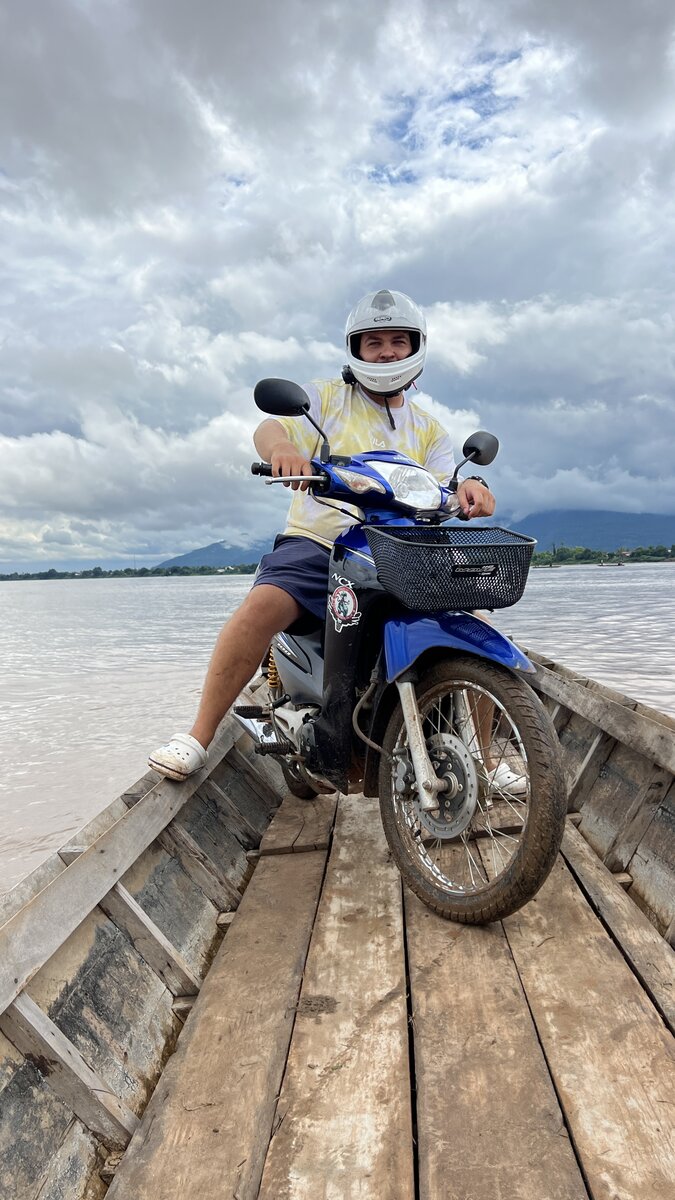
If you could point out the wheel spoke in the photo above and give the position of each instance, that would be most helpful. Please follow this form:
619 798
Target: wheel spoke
491 838
471 860
471 716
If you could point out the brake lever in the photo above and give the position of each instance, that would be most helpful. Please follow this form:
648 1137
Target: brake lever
293 478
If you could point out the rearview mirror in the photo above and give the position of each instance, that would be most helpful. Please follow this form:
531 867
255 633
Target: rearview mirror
281 398
481 448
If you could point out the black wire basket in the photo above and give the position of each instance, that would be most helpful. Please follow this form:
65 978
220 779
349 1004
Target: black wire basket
435 568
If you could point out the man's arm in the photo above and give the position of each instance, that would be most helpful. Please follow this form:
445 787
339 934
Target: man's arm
273 446
476 500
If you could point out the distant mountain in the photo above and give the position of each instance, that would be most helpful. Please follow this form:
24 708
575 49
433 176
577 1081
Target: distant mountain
579 527
219 554
597 530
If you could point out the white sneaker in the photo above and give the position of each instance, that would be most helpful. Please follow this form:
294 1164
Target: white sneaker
503 779
179 758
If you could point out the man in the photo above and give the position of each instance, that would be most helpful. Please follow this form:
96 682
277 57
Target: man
367 409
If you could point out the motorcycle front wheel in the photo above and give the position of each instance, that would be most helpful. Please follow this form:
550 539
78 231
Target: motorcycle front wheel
487 842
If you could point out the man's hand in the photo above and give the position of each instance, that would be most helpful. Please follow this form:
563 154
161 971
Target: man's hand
286 460
275 448
475 499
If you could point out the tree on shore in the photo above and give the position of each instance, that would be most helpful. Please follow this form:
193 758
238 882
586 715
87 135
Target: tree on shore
561 555
558 556
131 573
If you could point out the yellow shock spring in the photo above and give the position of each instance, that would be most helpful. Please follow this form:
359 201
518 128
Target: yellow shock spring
272 673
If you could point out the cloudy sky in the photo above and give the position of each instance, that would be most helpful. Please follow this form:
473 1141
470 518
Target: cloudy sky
193 195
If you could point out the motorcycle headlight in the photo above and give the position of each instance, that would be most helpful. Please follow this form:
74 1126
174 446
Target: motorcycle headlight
358 483
412 486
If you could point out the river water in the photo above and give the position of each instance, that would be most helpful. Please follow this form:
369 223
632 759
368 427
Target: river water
96 673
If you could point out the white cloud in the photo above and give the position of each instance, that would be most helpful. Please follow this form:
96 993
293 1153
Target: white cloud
459 422
194 196
460 334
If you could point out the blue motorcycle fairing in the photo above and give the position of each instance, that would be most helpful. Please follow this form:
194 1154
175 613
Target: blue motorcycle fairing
408 636
354 538
378 506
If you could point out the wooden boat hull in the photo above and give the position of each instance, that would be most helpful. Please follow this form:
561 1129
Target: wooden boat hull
620 760
326 984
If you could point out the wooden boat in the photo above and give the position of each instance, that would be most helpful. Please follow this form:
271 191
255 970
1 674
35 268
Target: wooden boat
220 991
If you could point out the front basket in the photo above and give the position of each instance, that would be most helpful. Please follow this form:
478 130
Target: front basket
435 568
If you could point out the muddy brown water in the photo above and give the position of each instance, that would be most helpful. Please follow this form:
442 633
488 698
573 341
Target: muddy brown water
97 672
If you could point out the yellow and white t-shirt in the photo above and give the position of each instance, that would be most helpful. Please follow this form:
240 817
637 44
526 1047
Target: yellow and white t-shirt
354 424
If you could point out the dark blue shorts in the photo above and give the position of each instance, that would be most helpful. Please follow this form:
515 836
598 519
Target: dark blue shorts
298 566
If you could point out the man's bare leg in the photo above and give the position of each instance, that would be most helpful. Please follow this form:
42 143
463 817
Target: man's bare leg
483 720
483 716
236 657
238 652
500 771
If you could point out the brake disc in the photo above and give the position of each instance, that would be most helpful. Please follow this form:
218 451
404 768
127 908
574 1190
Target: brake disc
453 762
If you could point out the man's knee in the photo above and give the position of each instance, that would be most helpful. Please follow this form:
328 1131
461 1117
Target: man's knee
271 608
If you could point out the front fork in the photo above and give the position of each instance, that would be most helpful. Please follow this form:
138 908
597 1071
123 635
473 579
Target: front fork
428 783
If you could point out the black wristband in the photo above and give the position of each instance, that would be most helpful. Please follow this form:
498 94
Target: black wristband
478 480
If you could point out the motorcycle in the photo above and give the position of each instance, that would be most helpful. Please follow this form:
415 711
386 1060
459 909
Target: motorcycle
407 694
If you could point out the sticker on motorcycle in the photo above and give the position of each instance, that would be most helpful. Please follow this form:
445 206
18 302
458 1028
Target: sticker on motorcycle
343 607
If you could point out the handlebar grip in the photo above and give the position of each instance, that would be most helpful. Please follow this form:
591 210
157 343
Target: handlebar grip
261 468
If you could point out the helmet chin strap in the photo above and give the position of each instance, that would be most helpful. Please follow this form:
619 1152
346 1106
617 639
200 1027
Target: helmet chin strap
351 379
377 396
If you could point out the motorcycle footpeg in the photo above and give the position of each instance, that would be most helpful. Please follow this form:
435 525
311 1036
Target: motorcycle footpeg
254 711
275 748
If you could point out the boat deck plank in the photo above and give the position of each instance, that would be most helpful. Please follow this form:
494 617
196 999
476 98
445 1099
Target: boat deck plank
650 956
609 1052
489 1123
207 1127
343 1125
300 825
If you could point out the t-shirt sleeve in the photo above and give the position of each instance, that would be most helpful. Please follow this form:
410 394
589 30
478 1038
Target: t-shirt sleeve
299 430
440 459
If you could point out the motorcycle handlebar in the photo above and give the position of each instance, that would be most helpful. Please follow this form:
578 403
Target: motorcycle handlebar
265 469
451 508
319 482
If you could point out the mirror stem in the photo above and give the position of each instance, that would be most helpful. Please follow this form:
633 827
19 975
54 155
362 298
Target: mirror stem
324 455
454 482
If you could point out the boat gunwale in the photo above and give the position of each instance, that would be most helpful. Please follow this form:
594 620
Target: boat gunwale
99 836
641 728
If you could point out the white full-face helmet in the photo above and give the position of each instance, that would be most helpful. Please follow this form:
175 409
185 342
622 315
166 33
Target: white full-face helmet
385 310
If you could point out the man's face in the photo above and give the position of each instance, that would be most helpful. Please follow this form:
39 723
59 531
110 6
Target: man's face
385 345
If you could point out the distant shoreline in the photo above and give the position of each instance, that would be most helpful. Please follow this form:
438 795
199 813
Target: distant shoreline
564 556
588 562
571 556
129 573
